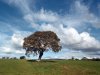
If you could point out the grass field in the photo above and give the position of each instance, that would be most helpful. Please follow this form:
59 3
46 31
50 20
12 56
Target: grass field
49 67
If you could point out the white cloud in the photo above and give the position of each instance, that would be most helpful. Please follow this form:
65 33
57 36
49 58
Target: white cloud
48 20
71 38
79 15
71 35
85 14
14 43
47 16
17 39
6 50
89 41
22 4
20 52
24 7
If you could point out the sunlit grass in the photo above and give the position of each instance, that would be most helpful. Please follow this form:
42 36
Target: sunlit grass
49 67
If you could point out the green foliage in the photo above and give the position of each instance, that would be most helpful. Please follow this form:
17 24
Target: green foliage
49 67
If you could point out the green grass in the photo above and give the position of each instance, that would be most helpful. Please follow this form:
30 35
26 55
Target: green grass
49 67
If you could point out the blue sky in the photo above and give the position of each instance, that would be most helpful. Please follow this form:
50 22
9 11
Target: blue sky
76 22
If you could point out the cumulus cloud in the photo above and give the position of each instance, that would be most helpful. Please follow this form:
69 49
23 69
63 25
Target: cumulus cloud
65 26
78 16
72 39
14 43
17 39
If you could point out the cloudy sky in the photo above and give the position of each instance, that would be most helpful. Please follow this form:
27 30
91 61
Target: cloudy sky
76 22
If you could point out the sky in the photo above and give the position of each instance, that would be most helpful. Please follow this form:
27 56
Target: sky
76 23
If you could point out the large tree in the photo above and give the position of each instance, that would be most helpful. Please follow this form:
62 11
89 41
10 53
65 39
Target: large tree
41 41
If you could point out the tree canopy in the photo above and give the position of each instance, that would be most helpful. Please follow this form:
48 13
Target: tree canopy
42 40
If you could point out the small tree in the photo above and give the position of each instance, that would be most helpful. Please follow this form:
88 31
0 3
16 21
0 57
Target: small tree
41 41
22 57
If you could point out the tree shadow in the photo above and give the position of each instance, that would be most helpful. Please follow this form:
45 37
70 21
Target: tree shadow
43 60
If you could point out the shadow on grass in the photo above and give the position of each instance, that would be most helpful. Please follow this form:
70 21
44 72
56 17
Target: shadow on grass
48 60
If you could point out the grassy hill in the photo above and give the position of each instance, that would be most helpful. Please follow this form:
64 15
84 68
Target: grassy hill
49 67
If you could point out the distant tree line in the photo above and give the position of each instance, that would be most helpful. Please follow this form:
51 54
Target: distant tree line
92 59
86 59
21 57
73 58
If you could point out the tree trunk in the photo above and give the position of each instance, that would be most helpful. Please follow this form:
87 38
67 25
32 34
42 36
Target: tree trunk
40 54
